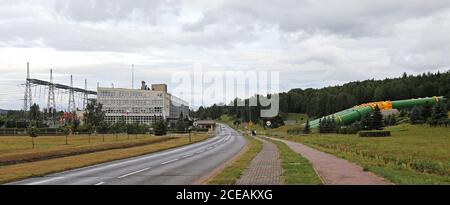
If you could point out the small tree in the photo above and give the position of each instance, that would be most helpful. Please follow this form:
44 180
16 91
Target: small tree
426 111
180 125
332 125
307 128
33 132
415 116
439 115
66 131
376 119
365 123
160 128
392 120
321 125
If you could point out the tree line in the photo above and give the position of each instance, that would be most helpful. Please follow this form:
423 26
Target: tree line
324 101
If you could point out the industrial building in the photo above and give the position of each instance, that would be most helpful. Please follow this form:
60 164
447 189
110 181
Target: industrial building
145 105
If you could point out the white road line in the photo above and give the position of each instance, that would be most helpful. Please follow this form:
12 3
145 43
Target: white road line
100 183
44 181
199 152
186 156
167 162
129 174
209 148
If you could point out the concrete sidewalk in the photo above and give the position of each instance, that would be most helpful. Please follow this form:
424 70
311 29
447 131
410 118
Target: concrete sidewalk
334 170
265 168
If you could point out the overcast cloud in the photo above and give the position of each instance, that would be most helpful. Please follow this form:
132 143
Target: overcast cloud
312 43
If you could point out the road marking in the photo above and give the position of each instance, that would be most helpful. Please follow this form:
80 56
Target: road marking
209 148
186 156
129 174
44 181
167 162
199 152
100 183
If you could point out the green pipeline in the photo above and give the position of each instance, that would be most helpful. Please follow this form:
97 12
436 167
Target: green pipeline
348 116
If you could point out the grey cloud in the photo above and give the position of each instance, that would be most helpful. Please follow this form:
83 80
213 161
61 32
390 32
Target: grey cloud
347 17
116 10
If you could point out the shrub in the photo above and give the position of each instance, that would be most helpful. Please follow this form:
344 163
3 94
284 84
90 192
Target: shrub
377 133
159 128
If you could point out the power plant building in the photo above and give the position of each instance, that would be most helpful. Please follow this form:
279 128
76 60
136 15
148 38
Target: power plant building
143 105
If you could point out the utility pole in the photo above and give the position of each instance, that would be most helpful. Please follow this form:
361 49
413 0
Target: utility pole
27 101
51 100
71 107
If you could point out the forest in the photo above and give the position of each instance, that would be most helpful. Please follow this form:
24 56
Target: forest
324 101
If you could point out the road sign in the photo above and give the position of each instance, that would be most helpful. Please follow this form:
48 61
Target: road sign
195 123
268 123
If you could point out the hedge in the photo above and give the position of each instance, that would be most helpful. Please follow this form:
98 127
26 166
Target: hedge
377 133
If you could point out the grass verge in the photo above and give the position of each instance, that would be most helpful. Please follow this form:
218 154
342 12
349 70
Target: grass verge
231 173
415 154
40 154
296 169
40 168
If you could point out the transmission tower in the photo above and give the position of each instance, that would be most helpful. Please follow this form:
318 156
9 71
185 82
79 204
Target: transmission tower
85 96
51 99
27 98
71 107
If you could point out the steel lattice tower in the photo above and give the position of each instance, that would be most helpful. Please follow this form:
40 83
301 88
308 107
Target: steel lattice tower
85 96
71 107
51 99
27 101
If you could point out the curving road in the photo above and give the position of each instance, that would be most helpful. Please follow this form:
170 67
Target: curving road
182 165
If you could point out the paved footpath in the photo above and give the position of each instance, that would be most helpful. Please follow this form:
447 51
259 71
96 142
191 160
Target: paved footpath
334 170
265 168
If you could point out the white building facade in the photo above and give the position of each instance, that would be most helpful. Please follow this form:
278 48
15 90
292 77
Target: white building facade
140 106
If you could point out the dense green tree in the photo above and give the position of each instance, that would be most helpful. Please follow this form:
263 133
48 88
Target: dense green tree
322 125
415 116
426 111
439 115
365 122
307 128
376 119
276 121
35 113
392 120
181 124
94 114
160 128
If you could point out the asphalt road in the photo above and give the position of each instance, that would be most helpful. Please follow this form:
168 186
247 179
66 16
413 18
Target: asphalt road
182 165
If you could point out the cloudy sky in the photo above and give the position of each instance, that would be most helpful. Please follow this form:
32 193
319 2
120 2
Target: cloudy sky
311 43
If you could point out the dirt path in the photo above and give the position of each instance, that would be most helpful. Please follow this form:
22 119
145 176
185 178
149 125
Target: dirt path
265 168
334 170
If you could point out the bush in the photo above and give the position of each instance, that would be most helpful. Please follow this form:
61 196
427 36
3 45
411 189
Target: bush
374 133
159 128
201 129
295 131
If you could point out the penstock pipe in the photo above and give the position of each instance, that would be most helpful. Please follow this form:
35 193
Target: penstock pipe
351 115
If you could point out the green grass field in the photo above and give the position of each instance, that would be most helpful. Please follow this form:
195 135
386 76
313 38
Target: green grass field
415 154
231 173
296 169
19 171
18 144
